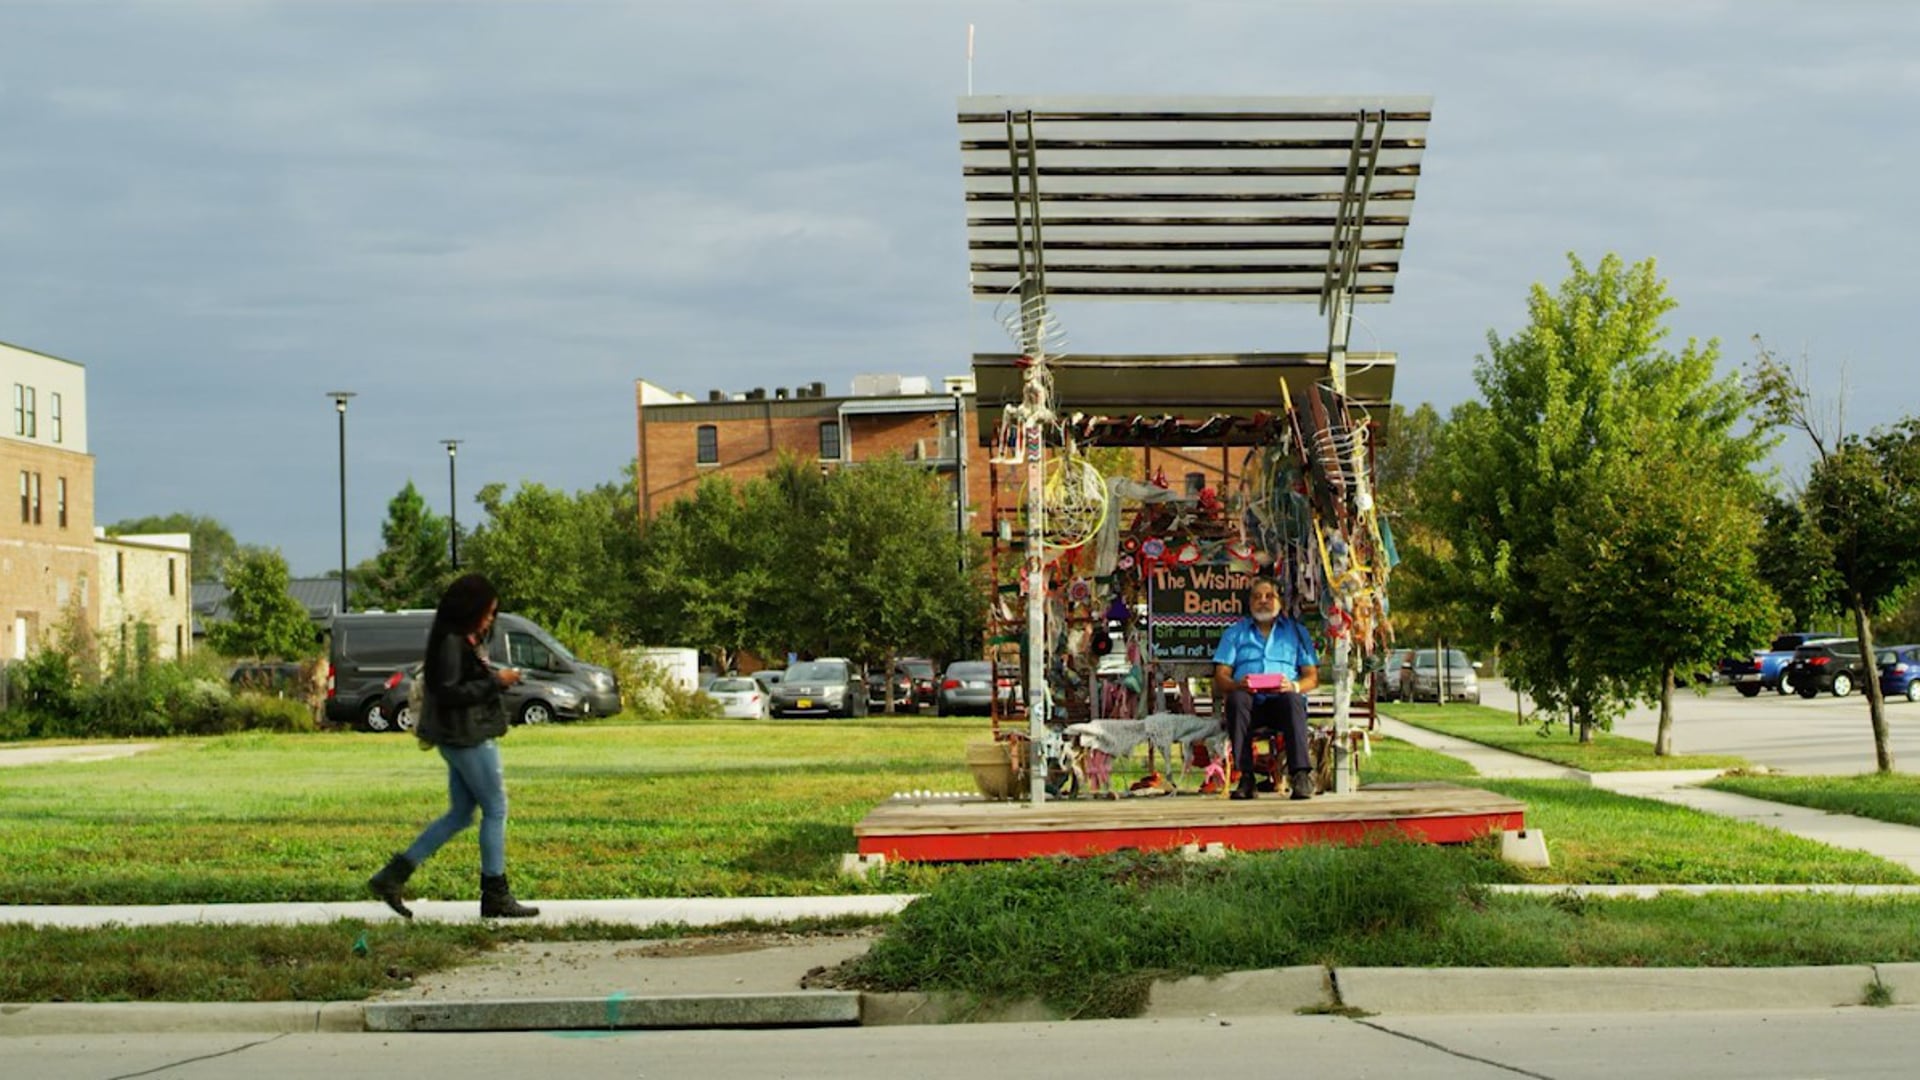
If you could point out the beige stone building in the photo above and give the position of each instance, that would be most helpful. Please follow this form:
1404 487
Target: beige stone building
47 563
146 595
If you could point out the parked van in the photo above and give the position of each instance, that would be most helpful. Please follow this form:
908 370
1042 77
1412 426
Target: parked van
369 648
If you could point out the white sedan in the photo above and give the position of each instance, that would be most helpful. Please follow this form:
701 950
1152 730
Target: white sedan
739 698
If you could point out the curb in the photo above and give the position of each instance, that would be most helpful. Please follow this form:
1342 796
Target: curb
265 1017
1278 991
823 1008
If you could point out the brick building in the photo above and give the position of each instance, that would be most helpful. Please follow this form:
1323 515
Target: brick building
146 595
741 434
47 561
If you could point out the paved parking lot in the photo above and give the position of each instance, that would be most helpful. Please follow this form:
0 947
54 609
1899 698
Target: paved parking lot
1824 735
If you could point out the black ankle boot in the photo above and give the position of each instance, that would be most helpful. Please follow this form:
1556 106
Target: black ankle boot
1244 789
390 880
497 902
1302 784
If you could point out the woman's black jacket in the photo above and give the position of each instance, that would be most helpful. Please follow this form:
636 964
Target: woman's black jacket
464 702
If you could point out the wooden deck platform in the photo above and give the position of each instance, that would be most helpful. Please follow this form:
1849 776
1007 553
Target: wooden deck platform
950 830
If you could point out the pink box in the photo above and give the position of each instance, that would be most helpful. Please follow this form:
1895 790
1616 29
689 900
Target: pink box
1263 682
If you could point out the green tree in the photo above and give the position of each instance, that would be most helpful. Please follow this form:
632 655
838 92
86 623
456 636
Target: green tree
267 621
1583 386
559 558
1654 569
710 567
213 545
888 565
412 567
1404 446
1798 564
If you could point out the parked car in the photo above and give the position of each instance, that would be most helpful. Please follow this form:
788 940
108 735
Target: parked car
877 684
968 686
1899 671
281 679
535 699
827 687
740 697
368 648
926 678
1434 670
1769 664
1833 666
1392 667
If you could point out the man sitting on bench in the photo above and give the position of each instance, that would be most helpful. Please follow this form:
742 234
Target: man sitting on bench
1263 668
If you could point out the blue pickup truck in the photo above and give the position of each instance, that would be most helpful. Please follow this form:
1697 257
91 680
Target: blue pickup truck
1765 670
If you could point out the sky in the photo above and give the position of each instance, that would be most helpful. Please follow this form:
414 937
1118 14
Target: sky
488 219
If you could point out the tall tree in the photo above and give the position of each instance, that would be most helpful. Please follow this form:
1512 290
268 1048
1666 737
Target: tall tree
1654 571
559 558
888 564
1585 384
1862 506
710 567
213 545
267 621
412 567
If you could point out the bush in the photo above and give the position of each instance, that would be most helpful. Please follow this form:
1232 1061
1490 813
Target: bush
997 931
268 712
646 692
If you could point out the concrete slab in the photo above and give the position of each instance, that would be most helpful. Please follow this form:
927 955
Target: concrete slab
881 1009
666 911
1561 990
1903 980
827 1008
271 1017
1241 993
717 965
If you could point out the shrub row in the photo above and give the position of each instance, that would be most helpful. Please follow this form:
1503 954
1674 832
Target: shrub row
50 697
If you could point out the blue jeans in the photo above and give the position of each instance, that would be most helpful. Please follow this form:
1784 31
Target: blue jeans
473 782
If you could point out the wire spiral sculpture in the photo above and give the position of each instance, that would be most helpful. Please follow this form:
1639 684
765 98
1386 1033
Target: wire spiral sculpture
1074 500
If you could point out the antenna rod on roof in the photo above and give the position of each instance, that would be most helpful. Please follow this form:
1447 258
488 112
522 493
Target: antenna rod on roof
969 59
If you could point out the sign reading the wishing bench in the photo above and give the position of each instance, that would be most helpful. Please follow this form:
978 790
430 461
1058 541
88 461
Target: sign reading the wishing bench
1190 606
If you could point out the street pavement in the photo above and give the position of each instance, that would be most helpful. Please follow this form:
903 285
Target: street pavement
772 979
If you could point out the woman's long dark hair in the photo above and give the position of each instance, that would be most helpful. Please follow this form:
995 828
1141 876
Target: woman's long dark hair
464 604
459 613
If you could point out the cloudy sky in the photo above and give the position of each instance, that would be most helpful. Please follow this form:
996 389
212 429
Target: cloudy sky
489 219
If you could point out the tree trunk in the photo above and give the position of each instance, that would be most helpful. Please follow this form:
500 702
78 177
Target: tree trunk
1663 738
1876 704
1585 718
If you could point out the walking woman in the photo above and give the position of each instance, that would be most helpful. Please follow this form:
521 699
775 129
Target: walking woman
462 714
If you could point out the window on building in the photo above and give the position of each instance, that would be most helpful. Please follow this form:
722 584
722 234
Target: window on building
26 506
120 571
53 415
25 423
707 445
1195 482
60 499
830 440
172 589
36 498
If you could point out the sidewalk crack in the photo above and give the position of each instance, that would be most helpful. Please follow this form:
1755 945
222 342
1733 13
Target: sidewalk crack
1451 1052
202 1057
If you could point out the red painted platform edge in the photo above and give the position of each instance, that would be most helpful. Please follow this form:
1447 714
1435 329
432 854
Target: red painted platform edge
1263 836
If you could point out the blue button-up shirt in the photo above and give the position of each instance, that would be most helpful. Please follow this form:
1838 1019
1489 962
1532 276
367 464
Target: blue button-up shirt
1284 651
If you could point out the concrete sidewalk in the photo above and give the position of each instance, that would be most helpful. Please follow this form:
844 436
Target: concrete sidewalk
1895 843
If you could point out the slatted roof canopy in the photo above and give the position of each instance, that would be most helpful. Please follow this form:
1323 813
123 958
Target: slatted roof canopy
1184 385
1224 198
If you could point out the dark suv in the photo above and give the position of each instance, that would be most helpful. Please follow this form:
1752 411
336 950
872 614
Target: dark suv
1834 666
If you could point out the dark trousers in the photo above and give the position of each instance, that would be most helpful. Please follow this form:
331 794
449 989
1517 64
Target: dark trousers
1264 714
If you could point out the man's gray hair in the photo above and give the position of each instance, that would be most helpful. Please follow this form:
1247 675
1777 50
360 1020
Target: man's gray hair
1262 579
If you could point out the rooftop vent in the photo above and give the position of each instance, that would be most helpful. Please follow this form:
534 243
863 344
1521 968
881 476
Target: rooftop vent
716 395
780 393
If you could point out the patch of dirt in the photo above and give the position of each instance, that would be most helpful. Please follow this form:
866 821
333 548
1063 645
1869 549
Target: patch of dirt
737 942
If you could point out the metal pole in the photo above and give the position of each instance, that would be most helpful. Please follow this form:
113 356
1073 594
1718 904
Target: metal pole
960 474
340 406
453 505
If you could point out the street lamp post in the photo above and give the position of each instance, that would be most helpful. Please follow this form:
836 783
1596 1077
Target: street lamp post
453 513
340 406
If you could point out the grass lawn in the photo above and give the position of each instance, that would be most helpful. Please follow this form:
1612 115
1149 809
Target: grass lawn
1495 727
726 808
1894 798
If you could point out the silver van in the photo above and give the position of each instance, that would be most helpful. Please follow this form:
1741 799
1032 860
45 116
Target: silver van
368 649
